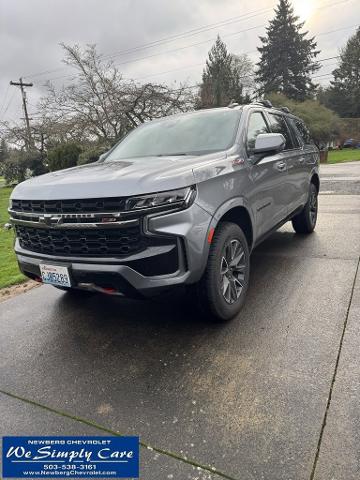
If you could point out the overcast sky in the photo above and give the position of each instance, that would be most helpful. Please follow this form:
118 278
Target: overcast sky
31 31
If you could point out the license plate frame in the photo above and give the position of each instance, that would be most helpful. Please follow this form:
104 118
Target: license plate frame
57 275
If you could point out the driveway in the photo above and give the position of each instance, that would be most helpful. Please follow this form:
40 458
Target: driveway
272 395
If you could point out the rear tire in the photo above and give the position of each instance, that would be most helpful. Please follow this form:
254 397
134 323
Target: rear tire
305 221
222 289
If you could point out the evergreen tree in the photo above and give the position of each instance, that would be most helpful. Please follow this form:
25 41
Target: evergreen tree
287 58
343 96
221 79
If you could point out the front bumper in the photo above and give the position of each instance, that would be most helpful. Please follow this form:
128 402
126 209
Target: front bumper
183 260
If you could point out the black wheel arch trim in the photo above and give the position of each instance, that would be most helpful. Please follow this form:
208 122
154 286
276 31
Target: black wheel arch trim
231 205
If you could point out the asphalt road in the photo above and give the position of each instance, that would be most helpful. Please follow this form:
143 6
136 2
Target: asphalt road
341 178
272 395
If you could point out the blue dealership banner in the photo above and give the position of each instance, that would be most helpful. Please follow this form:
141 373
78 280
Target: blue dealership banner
36 457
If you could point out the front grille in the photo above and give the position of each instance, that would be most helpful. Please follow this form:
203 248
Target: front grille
112 204
83 242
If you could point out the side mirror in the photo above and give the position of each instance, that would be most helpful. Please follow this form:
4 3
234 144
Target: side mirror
269 143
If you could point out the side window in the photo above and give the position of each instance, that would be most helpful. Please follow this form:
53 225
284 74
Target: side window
278 125
294 132
257 125
304 132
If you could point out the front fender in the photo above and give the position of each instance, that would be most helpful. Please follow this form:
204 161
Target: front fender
230 204
226 207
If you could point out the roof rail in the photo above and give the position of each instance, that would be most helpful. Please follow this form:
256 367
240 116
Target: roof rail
264 103
233 104
284 109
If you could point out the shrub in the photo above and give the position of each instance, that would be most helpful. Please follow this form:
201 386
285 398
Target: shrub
323 123
63 156
35 164
21 165
91 155
13 170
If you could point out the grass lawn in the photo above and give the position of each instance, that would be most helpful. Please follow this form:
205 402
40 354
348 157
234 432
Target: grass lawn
345 155
9 271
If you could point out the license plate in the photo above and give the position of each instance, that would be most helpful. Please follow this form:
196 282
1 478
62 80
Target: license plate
55 275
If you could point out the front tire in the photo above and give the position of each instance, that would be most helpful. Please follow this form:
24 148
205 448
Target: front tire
305 221
221 291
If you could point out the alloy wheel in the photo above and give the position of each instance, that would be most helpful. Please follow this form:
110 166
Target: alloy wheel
313 206
232 271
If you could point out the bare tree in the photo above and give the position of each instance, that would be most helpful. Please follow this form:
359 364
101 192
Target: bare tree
98 105
104 106
243 69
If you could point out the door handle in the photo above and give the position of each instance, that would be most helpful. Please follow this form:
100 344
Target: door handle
281 166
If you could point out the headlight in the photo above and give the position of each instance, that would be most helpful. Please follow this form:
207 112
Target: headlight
181 198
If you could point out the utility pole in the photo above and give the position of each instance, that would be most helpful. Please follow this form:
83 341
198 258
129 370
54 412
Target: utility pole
22 86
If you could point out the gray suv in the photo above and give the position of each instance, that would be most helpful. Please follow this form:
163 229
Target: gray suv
182 200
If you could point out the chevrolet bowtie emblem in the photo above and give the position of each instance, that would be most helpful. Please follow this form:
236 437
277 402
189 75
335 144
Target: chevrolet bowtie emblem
51 219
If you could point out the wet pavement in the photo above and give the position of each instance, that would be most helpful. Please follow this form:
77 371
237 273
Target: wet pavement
341 178
272 395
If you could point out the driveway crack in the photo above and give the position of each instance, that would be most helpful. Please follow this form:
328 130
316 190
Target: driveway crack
334 375
90 423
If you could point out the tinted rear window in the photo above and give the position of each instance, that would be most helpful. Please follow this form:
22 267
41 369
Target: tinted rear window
303 131
278 125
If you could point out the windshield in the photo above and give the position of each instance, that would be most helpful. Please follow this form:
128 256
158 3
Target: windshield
192 134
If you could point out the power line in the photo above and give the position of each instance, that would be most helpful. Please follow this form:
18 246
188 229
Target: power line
184 35
337 30
328 58
170 51
190 87
323 75
245 53
171 38
329 65
200 30
240 77
200 43
8 105
5 98
189 46
170 71
202 63
206 41
252 51
186 47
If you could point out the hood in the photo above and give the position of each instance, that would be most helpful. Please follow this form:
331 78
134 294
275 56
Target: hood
111 179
